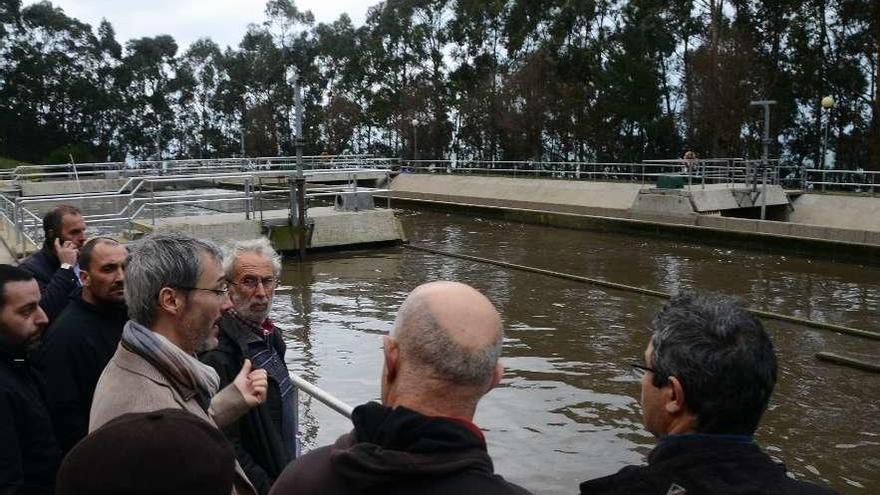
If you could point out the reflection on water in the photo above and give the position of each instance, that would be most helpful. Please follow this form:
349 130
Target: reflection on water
567 409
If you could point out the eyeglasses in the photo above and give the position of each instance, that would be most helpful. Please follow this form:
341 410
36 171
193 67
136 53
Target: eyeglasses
220 292
640 369
251 283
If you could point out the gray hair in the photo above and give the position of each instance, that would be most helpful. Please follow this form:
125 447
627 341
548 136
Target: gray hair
260 246
721 355
161 260
422 338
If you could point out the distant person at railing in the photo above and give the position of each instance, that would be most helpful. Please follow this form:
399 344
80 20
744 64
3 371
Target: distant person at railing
54 266
439 360
264 438
29 453
706 379
689 163
84 337
176 292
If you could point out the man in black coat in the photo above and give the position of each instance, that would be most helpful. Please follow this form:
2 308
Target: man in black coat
29 454
707 376
54 266
265 437
84 337
440 359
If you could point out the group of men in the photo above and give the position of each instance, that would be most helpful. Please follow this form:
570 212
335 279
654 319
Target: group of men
158 370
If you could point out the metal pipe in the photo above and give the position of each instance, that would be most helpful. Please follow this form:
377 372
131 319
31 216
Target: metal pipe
640 290
323 396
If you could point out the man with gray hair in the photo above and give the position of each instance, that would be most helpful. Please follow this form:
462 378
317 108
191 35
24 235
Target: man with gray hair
265 437
706 379
176 292
440 359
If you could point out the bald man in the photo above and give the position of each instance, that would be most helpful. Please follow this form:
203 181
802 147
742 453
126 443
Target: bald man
440 359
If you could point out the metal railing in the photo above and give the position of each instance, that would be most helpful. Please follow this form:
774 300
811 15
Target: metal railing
142 197
113 170
732 171
323 396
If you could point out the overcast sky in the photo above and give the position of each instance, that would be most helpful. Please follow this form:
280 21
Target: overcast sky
224 21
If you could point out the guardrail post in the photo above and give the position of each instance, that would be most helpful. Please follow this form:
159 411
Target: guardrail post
152 205
247 198
823 180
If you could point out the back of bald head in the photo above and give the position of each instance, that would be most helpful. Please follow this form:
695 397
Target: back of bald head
450 331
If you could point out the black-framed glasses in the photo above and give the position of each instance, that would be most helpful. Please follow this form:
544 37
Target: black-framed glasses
220 292
251 283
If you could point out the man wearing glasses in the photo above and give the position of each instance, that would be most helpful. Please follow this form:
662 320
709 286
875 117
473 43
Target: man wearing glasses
176 293
264 438
706 379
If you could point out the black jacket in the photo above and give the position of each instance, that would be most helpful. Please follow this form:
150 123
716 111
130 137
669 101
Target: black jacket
397 451
256 437
56 284
703 465
29 454
79 344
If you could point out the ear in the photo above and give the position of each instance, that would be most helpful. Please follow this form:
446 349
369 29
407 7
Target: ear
392 357
84 278
496 375
674 395
169 301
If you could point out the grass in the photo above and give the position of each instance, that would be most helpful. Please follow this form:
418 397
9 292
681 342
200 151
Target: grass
10 163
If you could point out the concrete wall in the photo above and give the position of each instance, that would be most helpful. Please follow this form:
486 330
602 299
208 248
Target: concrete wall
862 226
49 188
846 212
606 195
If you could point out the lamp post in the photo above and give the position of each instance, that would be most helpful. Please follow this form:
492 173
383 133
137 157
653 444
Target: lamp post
765 155
827 105
415 123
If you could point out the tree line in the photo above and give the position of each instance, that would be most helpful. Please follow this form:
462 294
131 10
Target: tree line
591 80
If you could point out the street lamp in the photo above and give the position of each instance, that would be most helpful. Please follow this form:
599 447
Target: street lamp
827 104
415 122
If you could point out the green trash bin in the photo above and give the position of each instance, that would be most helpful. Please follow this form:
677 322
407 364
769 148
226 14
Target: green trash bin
670 182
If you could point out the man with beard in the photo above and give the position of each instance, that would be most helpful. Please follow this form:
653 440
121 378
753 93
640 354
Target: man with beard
264 438
29 454
176 292
54 266
84 337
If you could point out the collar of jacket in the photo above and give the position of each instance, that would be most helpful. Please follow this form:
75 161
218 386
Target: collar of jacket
106 309
669 446
137 364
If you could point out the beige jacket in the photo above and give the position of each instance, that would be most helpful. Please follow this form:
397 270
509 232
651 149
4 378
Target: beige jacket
131 384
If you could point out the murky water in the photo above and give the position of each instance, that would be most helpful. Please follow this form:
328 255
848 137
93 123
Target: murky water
567 409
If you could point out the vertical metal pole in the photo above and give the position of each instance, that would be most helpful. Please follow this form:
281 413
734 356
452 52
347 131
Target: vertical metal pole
152 204
297 119
247 198
301 215
764 156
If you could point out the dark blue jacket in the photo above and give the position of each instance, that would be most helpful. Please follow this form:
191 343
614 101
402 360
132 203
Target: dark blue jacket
78 346
703 465
29 454
56 284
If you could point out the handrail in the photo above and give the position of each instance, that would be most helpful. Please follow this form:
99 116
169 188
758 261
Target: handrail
322 395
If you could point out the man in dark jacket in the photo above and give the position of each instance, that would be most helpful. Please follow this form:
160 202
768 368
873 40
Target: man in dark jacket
265 437
84 337
29 454
707 376
440 359
54 266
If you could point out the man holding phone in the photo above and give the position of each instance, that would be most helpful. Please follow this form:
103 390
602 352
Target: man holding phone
54 266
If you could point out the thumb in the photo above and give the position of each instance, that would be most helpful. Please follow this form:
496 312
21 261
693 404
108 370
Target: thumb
245 368
57 243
